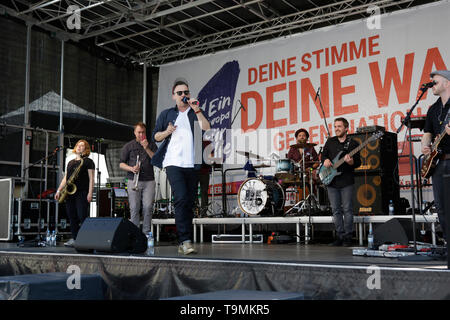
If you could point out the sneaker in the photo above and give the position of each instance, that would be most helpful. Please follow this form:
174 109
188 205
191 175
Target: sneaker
69 243
186 248
336 243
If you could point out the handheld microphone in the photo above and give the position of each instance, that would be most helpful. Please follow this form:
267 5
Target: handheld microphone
317 94
429 84
186 100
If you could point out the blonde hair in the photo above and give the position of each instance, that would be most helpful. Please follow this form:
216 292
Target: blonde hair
87 149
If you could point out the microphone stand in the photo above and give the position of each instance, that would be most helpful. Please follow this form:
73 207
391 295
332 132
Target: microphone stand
407 122
99 173
241 107
323 112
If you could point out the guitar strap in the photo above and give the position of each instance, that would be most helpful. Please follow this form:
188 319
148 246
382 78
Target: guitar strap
446 119
347 144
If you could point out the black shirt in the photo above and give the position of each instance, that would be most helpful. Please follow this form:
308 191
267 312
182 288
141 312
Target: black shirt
82 181
332 147
433 125
129 154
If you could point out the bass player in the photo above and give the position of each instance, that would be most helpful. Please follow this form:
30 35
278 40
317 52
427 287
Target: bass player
341 189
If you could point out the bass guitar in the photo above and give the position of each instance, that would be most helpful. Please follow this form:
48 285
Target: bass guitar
327 175
430 160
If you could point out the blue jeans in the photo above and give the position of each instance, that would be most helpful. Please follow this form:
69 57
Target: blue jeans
341 200
184 184
77 209
442 168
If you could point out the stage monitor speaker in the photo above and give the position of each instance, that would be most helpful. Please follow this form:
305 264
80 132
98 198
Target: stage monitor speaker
6 200
396 230
114 235
373 191
379 156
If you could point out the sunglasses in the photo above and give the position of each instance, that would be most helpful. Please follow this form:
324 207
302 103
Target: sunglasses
186 93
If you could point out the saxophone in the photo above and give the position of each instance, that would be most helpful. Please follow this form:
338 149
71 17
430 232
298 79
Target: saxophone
70 187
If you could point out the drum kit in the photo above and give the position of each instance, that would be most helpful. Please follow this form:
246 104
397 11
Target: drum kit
291 190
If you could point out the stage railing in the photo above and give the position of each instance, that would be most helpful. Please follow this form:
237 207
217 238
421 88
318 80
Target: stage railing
360 221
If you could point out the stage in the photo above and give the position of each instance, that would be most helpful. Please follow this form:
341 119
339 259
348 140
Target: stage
317 271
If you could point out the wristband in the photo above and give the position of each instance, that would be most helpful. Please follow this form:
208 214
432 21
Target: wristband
198 111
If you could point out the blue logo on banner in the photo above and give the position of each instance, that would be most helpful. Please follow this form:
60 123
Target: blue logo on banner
217 97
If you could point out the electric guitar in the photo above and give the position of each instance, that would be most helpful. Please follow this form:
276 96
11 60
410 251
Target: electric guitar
327 175
430 160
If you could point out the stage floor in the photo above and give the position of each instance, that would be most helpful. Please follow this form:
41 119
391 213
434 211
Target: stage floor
316 270
321 254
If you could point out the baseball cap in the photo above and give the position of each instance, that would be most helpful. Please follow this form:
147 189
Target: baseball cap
443 73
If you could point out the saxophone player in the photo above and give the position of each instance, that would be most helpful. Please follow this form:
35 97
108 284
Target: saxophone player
81 171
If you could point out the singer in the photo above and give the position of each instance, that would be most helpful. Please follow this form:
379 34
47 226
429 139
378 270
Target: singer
140 175
438 122
175 129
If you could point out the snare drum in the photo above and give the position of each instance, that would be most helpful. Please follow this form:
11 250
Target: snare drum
258 196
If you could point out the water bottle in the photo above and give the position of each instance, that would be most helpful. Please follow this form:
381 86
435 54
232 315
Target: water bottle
370 244
53 239
391 208
150 244
48 239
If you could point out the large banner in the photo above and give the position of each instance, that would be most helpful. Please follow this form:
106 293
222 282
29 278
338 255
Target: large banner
368 71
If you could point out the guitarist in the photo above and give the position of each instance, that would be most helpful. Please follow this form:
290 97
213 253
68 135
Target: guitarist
437 122
341 189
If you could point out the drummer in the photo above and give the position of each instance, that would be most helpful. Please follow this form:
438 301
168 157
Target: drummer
296 151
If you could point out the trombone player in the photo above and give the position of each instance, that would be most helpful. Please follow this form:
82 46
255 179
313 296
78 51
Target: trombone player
135 158
77 190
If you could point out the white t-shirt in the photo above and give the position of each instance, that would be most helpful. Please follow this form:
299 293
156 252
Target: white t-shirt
180 151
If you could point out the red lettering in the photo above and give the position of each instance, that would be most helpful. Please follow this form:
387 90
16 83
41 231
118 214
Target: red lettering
339 92
339 57
293 116
360 52
308 91
278 141
433 58
291 66
306 63
402 88
373 44
272 105
245 97
313 135
252 76
262 72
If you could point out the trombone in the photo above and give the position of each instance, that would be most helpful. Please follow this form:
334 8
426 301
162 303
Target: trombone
136 175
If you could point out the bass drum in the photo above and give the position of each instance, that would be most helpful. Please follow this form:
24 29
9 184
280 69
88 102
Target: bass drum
258 196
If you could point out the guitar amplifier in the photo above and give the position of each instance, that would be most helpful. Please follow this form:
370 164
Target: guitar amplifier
380 156
370 129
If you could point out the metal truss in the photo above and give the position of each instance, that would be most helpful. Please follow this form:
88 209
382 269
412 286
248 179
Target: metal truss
160 31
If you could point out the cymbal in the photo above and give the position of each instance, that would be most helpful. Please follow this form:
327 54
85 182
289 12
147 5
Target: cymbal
303 145
249 154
